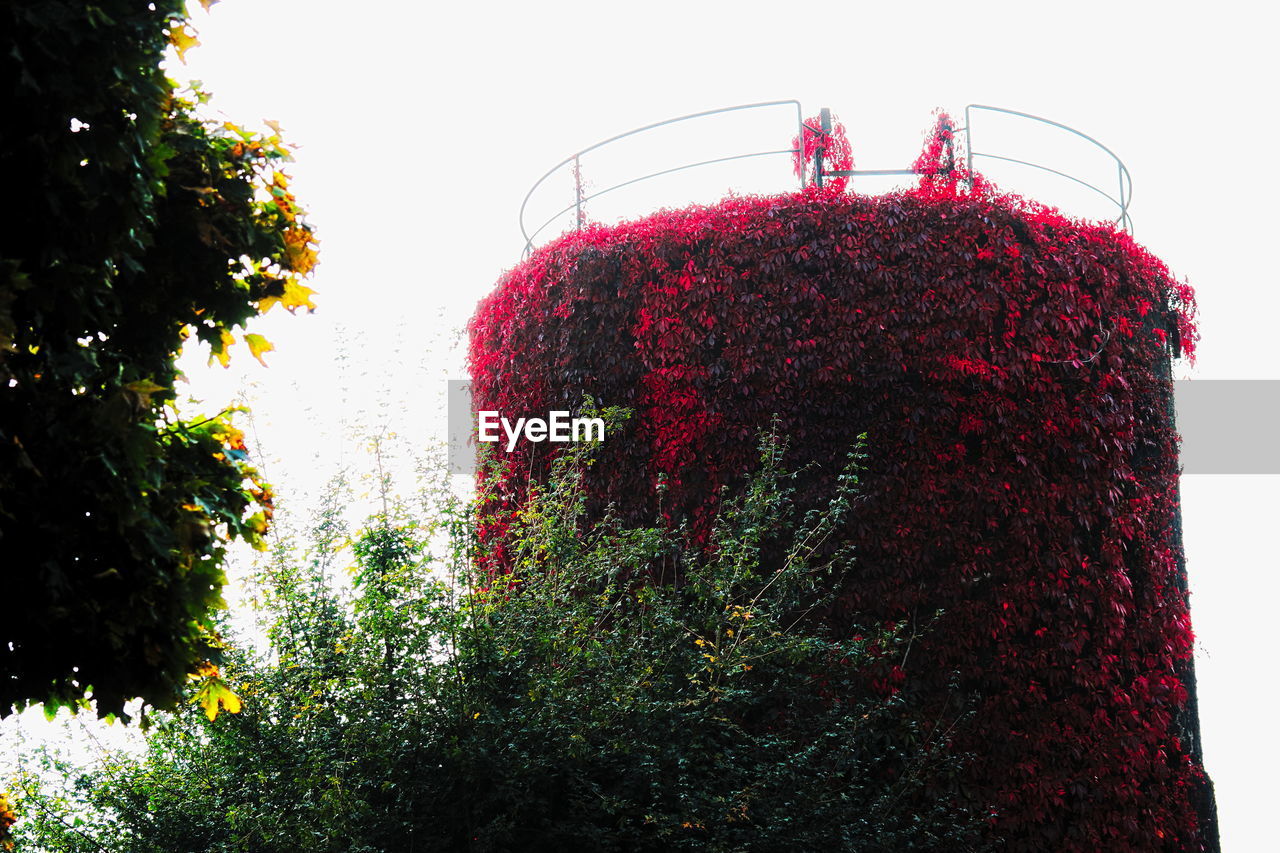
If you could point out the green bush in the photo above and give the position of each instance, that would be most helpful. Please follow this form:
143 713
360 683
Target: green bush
566 706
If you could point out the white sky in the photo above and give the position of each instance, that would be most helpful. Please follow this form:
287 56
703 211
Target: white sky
422 125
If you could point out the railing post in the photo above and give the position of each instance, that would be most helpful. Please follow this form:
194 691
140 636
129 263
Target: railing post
820 151
800 142
1124 200
951 146
968 145
577 190
581 197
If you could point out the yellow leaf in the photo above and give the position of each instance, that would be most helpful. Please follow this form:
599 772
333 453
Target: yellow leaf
259 345
297 246
274 125
224 696
257 524
295 296
214 695
183 37
209 4
222 349
228 434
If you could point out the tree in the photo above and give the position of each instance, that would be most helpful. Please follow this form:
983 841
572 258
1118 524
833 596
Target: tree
562 707
132 223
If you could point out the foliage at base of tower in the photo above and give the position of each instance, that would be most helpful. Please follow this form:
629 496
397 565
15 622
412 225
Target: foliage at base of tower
561 707
132 223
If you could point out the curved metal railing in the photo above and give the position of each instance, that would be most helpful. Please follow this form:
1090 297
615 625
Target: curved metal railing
1124 179
576 159
814 172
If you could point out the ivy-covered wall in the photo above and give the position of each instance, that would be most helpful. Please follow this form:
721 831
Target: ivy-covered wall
1011 369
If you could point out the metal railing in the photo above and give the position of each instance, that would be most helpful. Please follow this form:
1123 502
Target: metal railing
1124 179
811 173
576 160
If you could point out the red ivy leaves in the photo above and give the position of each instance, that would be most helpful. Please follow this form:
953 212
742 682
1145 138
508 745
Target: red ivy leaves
1011 368
939 165
837 154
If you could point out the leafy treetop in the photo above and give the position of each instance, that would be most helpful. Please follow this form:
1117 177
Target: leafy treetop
133 224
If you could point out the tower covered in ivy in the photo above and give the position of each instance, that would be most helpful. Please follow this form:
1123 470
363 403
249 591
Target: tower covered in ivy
1011 369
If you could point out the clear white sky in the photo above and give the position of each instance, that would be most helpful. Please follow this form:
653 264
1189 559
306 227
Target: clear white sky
422 125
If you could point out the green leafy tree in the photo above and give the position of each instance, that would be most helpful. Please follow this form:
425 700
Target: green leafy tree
131 224
563 707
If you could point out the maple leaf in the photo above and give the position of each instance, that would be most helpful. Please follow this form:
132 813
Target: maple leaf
183 37
298 244
259 345
256 527
295 296
222 348
214 694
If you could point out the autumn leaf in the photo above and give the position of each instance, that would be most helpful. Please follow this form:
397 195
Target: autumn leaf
295 296
256 527
227 433
297 245
183 37
209 4
274 125
214 694
222 349
259 345
207 669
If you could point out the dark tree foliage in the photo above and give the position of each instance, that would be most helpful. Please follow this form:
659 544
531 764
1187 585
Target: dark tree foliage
130 223
1011 367
557 709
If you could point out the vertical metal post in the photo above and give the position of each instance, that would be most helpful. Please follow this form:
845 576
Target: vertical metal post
1124 202
800 142
821 149
968 144
951 146
577 190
